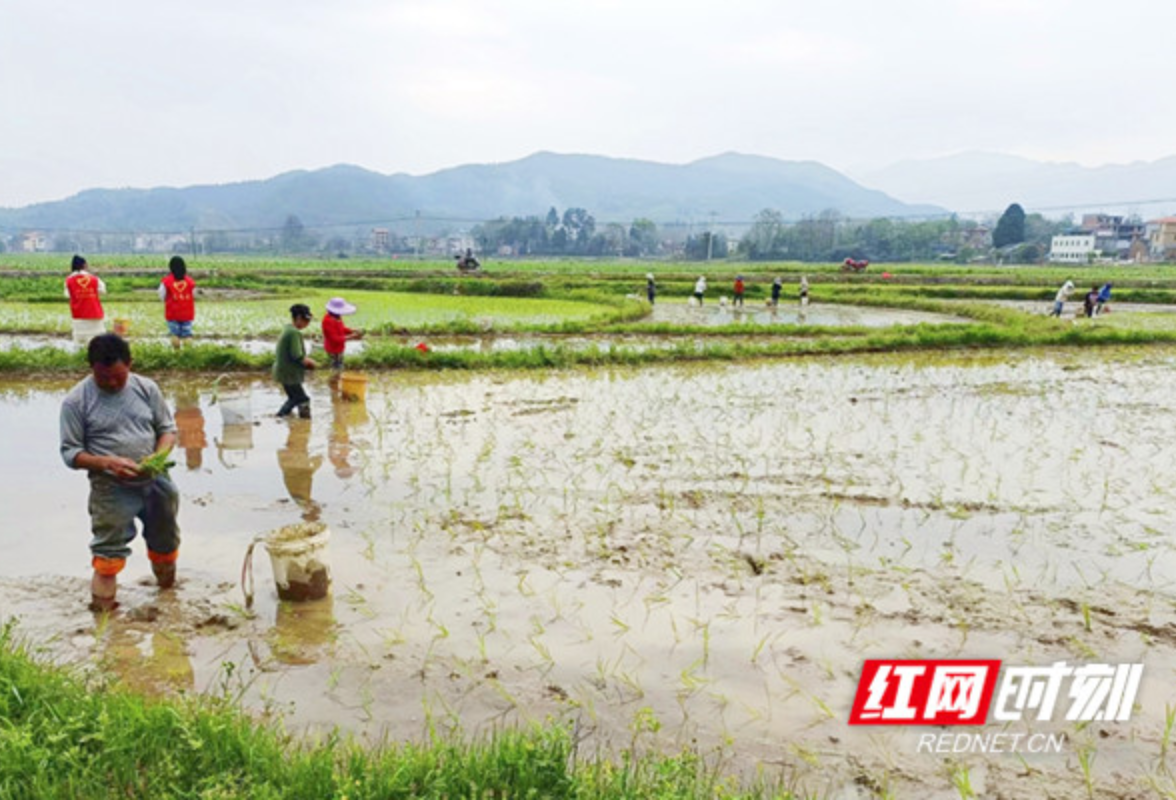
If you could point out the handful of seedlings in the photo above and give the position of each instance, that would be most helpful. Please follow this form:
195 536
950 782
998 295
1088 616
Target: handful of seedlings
156 464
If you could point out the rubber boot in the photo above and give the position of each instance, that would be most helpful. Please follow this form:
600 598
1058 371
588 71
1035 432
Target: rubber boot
102 591
304 411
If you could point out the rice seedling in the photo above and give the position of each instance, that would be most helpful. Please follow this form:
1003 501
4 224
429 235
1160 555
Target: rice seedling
1086 755
1166 736
961 781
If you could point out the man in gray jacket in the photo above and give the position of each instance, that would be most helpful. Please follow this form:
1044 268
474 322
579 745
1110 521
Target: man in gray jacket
110 422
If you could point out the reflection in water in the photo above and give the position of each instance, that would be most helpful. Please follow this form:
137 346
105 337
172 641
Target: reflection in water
346 415
236 439
160 667
303 630
298 467
190 427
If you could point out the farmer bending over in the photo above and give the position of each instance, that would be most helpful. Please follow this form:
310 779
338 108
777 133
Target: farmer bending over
110 422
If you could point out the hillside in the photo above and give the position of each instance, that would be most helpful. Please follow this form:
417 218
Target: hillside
730 187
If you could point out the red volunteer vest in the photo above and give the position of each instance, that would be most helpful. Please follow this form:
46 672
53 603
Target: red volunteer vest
179 305
83 296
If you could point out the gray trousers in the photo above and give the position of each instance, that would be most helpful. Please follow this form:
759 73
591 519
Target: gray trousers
114 507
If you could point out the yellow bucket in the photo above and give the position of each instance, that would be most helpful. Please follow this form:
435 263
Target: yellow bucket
353 386
122 327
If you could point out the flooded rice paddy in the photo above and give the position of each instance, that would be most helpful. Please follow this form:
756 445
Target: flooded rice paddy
673 557
267 316
674 313
792 313
489 343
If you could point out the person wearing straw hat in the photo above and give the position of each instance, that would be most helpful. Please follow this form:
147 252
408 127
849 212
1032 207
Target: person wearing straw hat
335 333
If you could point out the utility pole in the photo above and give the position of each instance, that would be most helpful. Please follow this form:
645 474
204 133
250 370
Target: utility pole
710 236
417 224
191 241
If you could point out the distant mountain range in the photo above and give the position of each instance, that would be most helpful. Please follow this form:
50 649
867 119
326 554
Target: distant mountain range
724 188
730 188
976 182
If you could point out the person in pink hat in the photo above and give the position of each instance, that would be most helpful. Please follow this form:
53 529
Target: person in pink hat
335 333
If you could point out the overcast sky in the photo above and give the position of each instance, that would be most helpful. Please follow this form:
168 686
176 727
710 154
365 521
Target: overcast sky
165 93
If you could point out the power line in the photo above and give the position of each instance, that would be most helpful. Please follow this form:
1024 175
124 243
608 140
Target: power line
839 219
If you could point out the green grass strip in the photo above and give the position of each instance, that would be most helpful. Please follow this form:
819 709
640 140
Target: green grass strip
380 355
62 736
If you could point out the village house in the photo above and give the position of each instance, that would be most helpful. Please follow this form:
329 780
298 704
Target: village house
1072 248
1161 236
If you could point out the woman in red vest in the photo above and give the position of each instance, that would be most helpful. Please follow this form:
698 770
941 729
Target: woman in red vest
82 288
178 293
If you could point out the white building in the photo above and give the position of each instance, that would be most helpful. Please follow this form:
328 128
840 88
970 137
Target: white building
33 242
161 242
1072 248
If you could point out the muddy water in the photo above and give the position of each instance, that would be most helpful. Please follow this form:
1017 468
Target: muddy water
718 547
668 312
484 344
64 342
791 313
1074 307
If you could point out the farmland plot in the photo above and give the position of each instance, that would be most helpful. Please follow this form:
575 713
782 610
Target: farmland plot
696 557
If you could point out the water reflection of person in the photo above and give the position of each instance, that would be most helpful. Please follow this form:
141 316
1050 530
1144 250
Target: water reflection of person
163 668
298 467
339 445
190 427
302 630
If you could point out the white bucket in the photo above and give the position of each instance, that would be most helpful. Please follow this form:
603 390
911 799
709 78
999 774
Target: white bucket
298 554
236 409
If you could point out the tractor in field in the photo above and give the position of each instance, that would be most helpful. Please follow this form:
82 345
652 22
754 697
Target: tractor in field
467 262
855 265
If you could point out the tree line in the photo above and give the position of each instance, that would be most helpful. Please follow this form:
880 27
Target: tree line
575 232
1017 237
828 236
